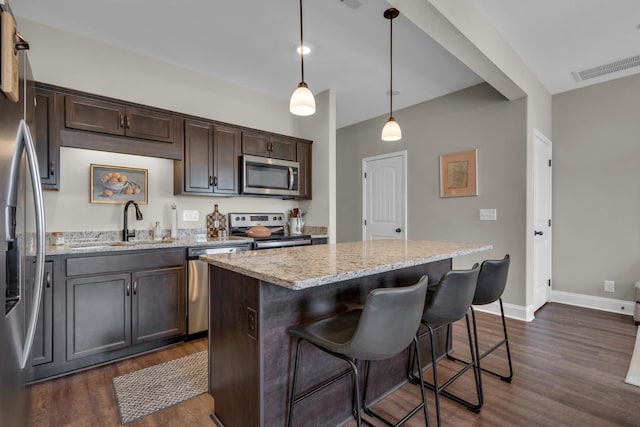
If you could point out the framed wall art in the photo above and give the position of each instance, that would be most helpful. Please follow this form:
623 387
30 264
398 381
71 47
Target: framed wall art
459 174
117 184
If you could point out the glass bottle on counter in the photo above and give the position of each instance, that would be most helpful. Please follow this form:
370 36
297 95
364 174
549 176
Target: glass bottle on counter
215 226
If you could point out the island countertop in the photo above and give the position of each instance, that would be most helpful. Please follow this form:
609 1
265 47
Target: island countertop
304 267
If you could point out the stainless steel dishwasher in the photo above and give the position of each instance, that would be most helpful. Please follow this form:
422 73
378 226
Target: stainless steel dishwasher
198 286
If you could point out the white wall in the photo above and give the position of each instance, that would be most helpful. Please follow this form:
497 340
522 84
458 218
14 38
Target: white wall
596 189
66 60
477 117
321 128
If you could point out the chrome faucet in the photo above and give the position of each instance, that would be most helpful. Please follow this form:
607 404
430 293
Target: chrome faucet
126 234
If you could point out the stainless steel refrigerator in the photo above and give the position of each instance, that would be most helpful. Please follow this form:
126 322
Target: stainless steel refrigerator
21 231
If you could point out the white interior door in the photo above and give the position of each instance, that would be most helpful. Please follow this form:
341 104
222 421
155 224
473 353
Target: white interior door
541 220
384 189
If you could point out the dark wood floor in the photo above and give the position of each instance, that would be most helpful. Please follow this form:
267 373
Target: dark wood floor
569 366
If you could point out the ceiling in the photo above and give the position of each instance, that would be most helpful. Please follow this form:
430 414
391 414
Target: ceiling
252 43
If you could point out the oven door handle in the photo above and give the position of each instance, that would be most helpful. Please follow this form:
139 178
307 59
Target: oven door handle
282 243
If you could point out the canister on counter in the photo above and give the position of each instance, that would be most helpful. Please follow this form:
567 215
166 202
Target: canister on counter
56 238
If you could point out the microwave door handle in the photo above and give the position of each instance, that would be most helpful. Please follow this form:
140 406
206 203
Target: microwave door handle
25 135
290 178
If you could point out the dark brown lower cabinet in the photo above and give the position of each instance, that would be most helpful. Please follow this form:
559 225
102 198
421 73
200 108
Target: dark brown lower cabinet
158 304
108 306
114 311
98 314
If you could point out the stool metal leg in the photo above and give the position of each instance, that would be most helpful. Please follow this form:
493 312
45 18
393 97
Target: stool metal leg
441 389
504 342
293 382
423 405
353 370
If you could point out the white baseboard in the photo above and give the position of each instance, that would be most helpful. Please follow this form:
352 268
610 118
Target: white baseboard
520 312
511 311
597 303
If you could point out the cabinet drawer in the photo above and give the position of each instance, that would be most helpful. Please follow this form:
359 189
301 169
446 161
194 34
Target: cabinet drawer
128 261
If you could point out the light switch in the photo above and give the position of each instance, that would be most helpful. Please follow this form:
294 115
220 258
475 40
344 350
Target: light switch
190 215
488 215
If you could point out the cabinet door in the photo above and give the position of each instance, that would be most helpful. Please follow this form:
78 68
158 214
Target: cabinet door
304 175
158 304
282 148
256 144
98 314
226 143
42 350
150 125
46 139
198 157
93 115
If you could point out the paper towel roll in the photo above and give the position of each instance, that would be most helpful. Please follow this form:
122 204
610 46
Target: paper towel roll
174 222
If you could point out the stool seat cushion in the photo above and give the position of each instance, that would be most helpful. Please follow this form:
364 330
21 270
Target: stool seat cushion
334 333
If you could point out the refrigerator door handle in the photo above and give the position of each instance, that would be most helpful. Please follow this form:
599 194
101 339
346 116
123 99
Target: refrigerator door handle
25 135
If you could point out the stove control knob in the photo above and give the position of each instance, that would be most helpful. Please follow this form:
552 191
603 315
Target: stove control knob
275 217
243 218
237 218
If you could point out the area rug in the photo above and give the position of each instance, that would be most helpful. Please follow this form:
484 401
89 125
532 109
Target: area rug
633 376
149 390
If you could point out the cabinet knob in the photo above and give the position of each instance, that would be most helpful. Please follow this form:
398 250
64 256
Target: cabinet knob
128 288
121 120
48 280
128 122
210 181
215 181
52 163
135 288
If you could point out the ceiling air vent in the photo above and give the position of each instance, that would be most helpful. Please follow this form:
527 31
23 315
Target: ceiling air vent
353 4
612 67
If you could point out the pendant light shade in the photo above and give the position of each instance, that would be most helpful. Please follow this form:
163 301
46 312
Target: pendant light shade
391 130
302 101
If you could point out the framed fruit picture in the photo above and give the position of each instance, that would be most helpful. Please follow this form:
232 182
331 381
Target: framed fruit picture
118 184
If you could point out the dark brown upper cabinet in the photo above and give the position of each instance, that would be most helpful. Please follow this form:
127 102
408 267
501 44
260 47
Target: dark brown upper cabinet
210 160
303 157
265 145
47 138
98 123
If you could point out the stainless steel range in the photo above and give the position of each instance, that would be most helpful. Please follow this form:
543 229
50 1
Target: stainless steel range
240 223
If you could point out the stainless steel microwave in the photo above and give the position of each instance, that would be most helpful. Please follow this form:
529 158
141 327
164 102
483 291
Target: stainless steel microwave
266 176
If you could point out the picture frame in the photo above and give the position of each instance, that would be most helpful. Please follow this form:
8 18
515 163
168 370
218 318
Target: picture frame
118 184
459 174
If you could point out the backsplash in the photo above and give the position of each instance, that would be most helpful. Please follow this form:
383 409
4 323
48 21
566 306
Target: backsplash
196 234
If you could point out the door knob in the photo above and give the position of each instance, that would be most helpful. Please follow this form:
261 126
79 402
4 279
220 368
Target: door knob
538 233
398 230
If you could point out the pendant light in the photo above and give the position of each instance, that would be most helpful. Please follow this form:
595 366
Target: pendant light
391 130
302 101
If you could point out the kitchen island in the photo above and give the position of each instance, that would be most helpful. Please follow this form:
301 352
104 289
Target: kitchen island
256 296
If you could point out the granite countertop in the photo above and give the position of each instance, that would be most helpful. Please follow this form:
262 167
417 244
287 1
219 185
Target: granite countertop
116 246
309 266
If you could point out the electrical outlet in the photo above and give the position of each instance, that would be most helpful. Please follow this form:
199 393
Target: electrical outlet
488 215
609 286
190 215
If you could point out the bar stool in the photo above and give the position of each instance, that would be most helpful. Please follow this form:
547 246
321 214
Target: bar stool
448 302
385 326
492 281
